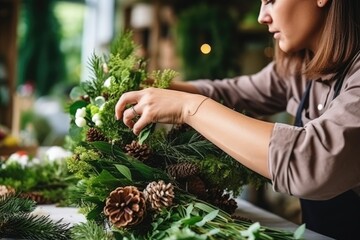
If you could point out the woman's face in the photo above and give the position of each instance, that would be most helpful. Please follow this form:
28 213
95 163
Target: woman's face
296 24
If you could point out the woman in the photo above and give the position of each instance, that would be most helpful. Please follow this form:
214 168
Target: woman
315 77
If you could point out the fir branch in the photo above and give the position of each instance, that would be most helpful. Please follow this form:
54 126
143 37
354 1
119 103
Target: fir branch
123 45
10 204
27 226
90 231
162 78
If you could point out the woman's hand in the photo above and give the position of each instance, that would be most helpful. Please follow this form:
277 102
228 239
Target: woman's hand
155 105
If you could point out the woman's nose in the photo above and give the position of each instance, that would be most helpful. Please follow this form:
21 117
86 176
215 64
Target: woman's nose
264 16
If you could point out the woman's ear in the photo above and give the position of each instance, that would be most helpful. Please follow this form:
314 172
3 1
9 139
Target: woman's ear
322 3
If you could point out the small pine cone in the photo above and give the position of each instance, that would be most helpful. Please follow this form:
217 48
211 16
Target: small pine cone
221 200
106 95
85 98
182 170
159 194
36 197
125 206
6 190
196 186
138 151
94 135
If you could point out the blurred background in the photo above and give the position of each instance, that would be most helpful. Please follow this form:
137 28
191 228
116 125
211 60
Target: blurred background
45 46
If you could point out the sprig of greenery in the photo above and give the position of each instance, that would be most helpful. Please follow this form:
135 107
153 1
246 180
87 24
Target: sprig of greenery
16 221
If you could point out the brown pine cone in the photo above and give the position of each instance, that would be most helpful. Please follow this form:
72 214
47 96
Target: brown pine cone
94 135
159 194
125 206
6 190
223 201
196 186
182 170
36 197
138 151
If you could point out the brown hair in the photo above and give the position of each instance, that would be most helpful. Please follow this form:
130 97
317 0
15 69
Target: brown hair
340 41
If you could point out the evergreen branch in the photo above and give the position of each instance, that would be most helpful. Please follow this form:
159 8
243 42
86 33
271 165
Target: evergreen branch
27 226
10 204
90 231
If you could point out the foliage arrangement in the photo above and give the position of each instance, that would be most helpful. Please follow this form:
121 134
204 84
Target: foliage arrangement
166 183
42 181
17 222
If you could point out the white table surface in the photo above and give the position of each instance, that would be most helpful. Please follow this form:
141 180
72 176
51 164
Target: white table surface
265 218
245 209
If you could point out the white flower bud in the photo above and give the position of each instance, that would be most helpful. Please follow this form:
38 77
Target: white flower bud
98 123
96 117
105 68
80 122
99 101
108 82
80 112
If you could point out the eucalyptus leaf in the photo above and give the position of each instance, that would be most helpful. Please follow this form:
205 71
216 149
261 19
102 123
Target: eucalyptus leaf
76 93
124 170
145 133
76 105
207 218
299 233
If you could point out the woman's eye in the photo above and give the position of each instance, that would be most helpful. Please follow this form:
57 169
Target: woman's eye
265 2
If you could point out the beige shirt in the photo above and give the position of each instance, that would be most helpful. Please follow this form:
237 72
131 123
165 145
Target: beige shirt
319 160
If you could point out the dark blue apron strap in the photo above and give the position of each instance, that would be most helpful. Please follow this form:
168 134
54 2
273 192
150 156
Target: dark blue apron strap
338 217
304 104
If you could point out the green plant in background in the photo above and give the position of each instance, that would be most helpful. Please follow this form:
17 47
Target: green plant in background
41 61
162 184
43 180
213 25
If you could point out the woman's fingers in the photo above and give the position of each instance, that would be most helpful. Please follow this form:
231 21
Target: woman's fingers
123 102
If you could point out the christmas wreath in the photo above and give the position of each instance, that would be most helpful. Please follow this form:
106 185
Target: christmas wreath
167 183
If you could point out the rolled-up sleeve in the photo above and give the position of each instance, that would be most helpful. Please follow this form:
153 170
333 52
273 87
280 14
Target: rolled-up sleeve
262 93
320 160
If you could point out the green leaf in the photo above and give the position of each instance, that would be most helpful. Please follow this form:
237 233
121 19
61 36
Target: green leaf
298 234
76 105
207 218
145 133
124 170
192 221
76 93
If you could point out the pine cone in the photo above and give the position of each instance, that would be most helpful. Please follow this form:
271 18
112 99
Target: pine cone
221 200
159 194
182 170
196 186
6 190
125 206
94 135
36 197
138 151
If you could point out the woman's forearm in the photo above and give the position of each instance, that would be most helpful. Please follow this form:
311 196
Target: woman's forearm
245 139
183 86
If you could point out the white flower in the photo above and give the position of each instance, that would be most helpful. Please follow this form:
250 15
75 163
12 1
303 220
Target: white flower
80 112
96 117
102 107
105 68
22 159
80 122
57 153
99 101
109 81
98 123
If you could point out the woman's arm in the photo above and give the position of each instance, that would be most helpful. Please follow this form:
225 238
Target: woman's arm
246 139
